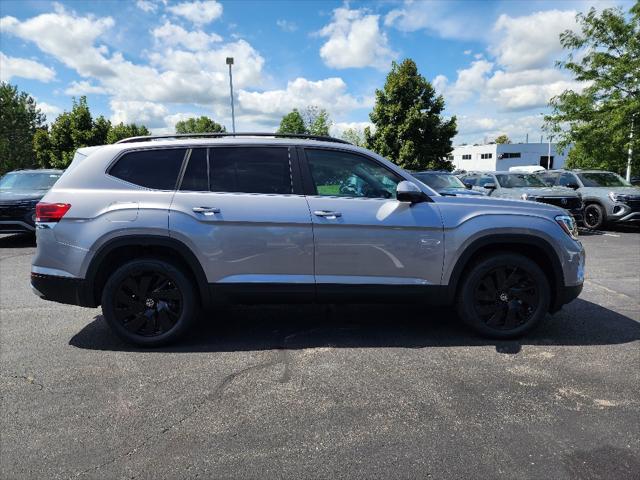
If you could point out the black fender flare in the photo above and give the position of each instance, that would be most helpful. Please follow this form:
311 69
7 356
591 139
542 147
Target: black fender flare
186 254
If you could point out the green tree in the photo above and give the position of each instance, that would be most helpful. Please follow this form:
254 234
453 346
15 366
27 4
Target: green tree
121 130
596 121
20 119
410 128
100 131
502 139
354 136
317 121
202 124
293 123
41 148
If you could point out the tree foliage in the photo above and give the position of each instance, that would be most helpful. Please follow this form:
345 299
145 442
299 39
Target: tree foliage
605 54
410 128
313 121
202 124
20 119
293 123
56 146
354 136
502 139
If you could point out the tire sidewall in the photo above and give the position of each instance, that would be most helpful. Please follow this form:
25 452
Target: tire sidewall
184 284
465 298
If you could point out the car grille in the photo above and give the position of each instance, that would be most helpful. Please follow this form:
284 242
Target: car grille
568 203
633 201
16 209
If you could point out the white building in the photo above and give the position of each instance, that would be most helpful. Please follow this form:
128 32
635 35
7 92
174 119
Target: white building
494 156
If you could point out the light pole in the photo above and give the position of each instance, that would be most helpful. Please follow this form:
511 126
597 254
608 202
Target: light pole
630 153
549 153
233 114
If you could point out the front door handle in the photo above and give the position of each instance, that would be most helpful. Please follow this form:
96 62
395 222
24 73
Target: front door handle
327 214
206 210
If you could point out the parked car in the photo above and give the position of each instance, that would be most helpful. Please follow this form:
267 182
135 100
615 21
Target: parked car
525 186
155 228
608 197
20 191
445 183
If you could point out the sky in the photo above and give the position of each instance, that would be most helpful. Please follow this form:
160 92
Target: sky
156 62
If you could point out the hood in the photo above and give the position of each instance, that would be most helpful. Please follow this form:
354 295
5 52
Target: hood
459 191
502 205
544 191
21 195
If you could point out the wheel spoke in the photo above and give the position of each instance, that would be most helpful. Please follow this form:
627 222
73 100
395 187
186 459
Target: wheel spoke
132 286
496 319
500 278
164 321
134 324
172 294
123 298
145 282
511 319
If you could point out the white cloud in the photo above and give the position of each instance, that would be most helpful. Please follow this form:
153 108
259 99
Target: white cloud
469 81
200 13
146 6
355 41
83 88
269 106
286 25
530 41
50 111
24 68
147 113
338 128
175 36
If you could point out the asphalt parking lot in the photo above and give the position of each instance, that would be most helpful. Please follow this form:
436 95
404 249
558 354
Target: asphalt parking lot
326 392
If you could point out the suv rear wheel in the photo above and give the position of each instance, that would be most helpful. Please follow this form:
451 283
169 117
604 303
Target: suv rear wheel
504 296
149 302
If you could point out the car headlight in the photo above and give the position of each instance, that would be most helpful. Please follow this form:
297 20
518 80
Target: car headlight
568 224
616 197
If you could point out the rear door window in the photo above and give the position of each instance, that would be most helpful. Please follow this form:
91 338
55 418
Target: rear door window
196 175
567 179
250 170
157 169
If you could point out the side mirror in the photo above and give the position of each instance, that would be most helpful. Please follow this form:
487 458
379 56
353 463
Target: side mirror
409 192
575 186
490 186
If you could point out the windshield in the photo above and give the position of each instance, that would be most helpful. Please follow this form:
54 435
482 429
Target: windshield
28 181
603 179
517 180
438 181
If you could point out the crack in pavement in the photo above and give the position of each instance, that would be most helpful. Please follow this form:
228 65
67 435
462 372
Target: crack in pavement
31 380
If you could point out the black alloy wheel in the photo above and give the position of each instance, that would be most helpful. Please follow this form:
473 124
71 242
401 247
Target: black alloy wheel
506 298
503 295
149 302
593 216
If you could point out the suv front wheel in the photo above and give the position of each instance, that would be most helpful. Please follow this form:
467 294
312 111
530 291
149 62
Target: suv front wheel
503 296
149 302
594 216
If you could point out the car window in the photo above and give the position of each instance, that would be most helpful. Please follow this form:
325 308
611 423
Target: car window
603 179
439 180
567 179
28 181
157 168
343 174
196 175
470 180
548 179
519 180
250 170
483 180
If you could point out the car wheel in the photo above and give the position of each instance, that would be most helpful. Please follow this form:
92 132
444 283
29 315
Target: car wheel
149 302
594 216
503 296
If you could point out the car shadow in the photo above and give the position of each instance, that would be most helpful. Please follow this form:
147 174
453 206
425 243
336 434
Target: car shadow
249 328
19 240
614 228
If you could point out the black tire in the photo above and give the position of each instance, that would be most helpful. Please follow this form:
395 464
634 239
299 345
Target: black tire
149 302
503 296
594 216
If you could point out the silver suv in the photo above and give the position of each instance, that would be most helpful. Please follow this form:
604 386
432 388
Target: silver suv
525 186
608 197
153 229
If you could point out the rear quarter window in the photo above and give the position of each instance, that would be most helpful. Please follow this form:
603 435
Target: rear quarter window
157 169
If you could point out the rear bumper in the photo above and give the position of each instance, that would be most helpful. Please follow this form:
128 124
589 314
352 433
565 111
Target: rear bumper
72 291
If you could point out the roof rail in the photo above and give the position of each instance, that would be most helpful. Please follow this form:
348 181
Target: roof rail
226 134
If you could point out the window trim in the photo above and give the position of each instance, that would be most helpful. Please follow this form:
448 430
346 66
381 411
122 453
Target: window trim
121 154
310 188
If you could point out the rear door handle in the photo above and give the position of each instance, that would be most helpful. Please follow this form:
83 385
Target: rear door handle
206 210
327 214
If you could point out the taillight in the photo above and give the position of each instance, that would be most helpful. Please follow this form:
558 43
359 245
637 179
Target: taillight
51 212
